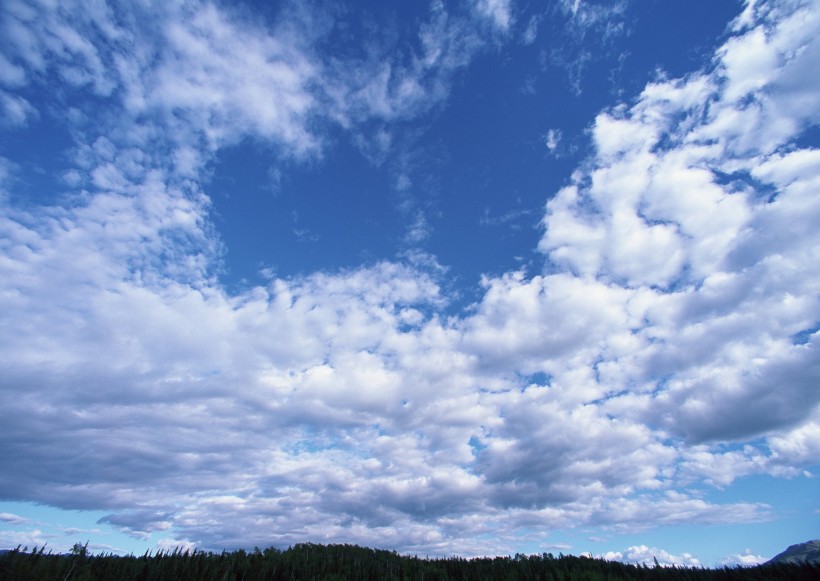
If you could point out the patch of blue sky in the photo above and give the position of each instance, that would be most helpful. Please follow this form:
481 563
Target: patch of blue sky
809 138
479 187
60 529
794 509
476 446
744 181
787 512
539 378
804 336
272 226
790 511
42 155
314 440
682 36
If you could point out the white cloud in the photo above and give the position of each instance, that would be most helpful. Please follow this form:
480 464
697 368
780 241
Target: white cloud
649 556
419 230
228 79
588 25
31 539
391 84
11 75
173 545
498 11
745 559
712 249
16 111
531 31
800 446
552 139
41 38
13 519
605 19
344 406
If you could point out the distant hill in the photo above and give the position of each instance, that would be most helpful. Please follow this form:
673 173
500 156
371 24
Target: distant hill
808 552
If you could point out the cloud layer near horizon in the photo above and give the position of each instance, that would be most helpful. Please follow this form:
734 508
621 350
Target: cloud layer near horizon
669 344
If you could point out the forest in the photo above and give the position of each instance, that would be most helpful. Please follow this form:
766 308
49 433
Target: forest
309 561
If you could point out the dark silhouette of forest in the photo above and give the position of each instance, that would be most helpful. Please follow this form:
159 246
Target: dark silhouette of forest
337 562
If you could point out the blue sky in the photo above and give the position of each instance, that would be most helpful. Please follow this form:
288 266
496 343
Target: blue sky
450 278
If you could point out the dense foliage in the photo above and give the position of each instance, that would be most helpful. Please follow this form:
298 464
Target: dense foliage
309 561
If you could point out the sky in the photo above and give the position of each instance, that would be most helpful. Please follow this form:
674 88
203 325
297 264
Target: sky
448 278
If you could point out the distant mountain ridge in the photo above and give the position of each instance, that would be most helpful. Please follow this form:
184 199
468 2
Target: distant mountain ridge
808 552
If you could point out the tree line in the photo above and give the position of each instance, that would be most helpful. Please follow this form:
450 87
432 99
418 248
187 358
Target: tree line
309 561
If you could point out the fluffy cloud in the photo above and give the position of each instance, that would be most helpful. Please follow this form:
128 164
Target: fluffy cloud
745 559
680 284
649 556
726 281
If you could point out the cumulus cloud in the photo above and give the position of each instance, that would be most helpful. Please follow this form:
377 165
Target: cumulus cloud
680 272
649 556
745 559
658 196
